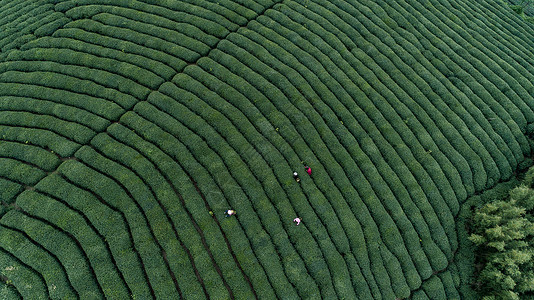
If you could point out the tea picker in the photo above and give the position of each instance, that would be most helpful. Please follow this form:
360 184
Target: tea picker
296 176
229 213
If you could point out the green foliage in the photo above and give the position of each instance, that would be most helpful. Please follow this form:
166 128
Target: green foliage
504 233
128 126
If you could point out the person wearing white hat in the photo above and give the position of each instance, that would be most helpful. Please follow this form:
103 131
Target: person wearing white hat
230 212
296 176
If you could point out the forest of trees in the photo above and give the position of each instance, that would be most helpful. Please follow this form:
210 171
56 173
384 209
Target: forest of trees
503 230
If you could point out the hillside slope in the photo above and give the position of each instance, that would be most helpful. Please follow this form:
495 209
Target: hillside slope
128 128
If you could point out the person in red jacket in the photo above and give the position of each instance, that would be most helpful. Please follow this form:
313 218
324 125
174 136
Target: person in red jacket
308 169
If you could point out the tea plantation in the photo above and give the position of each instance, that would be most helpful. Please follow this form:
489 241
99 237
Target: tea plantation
129 127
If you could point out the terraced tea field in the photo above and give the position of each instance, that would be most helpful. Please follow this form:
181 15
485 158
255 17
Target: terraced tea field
128 128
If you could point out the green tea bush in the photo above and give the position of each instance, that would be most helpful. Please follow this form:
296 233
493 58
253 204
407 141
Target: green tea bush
192 47
223 259
90 32
28 283
55 21
9 190
449 285
433 287
70 130
84 66
134 124
40 137
19 22
231 97
164 232
161 21
62 111
69 222
110 225
77 268
164 103
230 66
100 107
38 157
20 172
113 192
37 258
208 21
58 81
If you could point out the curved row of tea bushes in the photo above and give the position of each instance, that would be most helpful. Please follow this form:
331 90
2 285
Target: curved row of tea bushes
35 156
234 191
24 279
214 240
105 221
213 19
98 175
157 62
242 56
78 230
22 165
45 263
20 172
324 97
211 22
484 62
124 41
260 100
240 84
323 59
9 189
192 48
237 118
447 53
373 54
323 211
69 130
101 107
162 193
212 199
500 52
58 110
35 83
301 107
105 72
236 140
8 291
23 21
512 27
403 110
115 25
73 260
39 137
163 21
430 64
